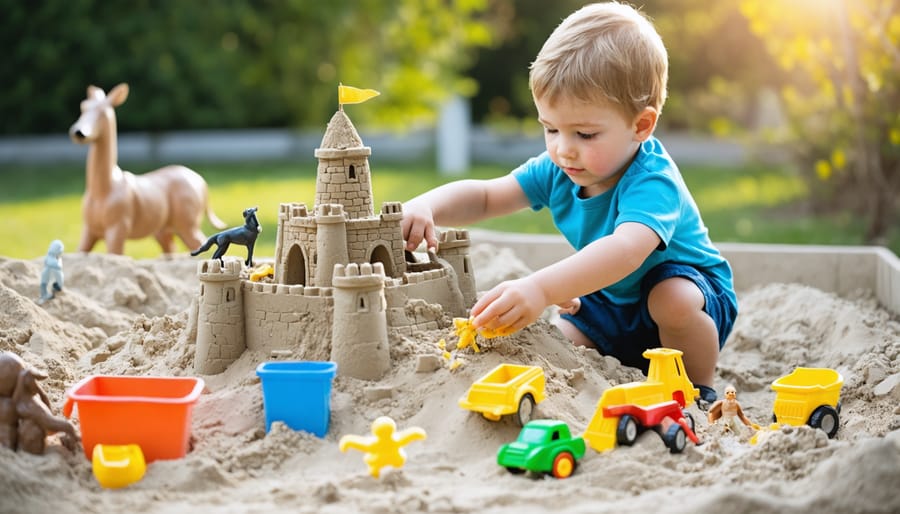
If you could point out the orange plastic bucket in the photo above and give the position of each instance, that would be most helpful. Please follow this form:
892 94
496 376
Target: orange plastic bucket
151 412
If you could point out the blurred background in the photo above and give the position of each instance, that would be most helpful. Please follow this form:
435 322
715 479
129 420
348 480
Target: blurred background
784 115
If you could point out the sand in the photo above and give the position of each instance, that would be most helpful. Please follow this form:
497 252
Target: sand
121 316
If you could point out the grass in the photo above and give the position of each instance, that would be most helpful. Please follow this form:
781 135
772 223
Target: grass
746 204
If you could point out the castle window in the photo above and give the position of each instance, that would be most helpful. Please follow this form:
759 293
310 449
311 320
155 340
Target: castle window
361 304
466 265
229 294
352 172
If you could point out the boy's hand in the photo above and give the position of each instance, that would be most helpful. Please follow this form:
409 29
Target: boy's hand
418 225
570 307
509 306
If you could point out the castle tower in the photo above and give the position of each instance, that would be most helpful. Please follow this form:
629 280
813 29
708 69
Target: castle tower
331 241
454 248
220 318
343 173
359 339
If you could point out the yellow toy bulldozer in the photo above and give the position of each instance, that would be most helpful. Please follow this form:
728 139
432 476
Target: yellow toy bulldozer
666 381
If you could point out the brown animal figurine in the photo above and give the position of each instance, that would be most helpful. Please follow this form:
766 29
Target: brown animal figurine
118 205
10 366
25 417
32 406
9 423
32 438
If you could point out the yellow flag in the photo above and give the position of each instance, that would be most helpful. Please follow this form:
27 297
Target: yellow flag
353 95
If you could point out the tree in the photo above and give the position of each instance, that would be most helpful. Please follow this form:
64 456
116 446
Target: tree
234 63
843 100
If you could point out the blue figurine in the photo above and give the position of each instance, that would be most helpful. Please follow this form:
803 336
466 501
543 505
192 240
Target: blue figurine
52 276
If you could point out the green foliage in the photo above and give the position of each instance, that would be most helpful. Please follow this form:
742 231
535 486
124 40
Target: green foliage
843 99
716 64
233 63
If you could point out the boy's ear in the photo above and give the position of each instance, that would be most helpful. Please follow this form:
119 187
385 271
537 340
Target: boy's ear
645 123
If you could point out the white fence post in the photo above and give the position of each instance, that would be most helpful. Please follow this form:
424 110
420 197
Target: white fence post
454 129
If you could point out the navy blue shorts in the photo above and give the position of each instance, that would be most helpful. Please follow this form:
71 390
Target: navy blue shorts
625 331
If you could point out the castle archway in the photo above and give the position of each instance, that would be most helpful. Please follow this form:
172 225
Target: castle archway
381 254
295 269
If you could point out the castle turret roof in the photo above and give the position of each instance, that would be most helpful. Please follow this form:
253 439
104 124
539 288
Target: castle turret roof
341 134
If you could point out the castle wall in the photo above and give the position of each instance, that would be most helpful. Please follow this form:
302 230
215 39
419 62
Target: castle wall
282 317
408 299
295 227
358 238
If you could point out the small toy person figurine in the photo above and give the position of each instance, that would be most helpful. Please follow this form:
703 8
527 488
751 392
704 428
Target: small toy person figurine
385 446
729 410
52 276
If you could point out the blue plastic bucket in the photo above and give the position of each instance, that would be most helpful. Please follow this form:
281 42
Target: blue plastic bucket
297 393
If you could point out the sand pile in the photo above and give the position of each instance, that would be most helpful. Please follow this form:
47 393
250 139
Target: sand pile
120 316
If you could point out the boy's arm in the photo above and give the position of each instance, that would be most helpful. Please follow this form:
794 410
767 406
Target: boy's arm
517 303
459 203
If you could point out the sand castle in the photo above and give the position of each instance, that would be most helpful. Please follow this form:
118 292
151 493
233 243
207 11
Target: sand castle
339 266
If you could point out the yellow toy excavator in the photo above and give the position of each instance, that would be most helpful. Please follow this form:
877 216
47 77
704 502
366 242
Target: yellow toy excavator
667 383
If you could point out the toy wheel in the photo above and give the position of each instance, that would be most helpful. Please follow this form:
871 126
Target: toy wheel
826 418
514 470
627 431
563 465
526 409
675 438
689 418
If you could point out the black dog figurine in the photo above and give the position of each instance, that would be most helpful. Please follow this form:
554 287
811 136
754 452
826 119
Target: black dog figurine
245 235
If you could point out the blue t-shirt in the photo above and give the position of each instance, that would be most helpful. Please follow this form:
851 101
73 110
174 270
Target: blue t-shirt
651 192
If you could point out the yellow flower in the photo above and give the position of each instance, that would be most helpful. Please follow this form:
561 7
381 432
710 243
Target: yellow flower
838 159
823 169
895 136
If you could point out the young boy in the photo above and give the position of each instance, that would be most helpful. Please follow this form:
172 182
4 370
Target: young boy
645 273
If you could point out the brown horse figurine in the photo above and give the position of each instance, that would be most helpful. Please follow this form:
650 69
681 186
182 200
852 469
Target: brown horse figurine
119 205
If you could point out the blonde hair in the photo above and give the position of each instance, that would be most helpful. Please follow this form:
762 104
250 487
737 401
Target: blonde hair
604 52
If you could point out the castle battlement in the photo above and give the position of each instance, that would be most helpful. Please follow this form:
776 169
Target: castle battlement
330 213
289 211
211 270
392 211
355 275
418 277
451 239
287 290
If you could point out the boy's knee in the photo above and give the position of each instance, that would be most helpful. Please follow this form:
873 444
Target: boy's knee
675 302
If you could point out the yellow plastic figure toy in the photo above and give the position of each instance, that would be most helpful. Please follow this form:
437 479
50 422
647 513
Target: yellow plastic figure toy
385 446
467 333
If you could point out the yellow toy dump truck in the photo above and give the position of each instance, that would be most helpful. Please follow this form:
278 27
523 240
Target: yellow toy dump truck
809 396
666 382
506 389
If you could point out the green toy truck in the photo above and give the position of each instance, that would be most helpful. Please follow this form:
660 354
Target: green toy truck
543 446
